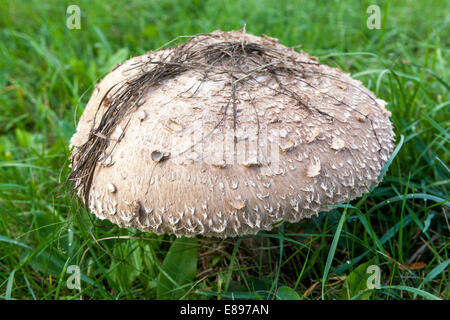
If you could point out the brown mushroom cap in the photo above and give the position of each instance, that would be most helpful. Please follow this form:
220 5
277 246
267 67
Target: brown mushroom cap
225 148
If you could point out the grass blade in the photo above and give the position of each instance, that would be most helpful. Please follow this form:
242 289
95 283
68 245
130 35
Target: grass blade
332 251
436 271
416 291
9 285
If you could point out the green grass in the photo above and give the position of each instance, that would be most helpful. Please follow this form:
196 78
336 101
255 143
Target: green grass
402 226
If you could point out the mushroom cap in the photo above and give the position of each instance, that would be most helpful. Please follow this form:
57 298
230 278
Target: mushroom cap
232 148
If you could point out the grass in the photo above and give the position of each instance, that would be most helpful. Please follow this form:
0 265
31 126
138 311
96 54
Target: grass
402 226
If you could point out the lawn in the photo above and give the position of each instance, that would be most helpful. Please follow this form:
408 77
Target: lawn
401 228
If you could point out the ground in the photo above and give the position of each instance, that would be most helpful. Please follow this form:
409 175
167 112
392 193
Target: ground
399 231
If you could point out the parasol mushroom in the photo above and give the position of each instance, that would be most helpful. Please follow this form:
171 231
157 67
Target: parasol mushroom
226 135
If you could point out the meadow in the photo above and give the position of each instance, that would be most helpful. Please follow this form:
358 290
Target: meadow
48 71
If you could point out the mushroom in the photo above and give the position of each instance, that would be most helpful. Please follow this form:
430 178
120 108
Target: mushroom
226 134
